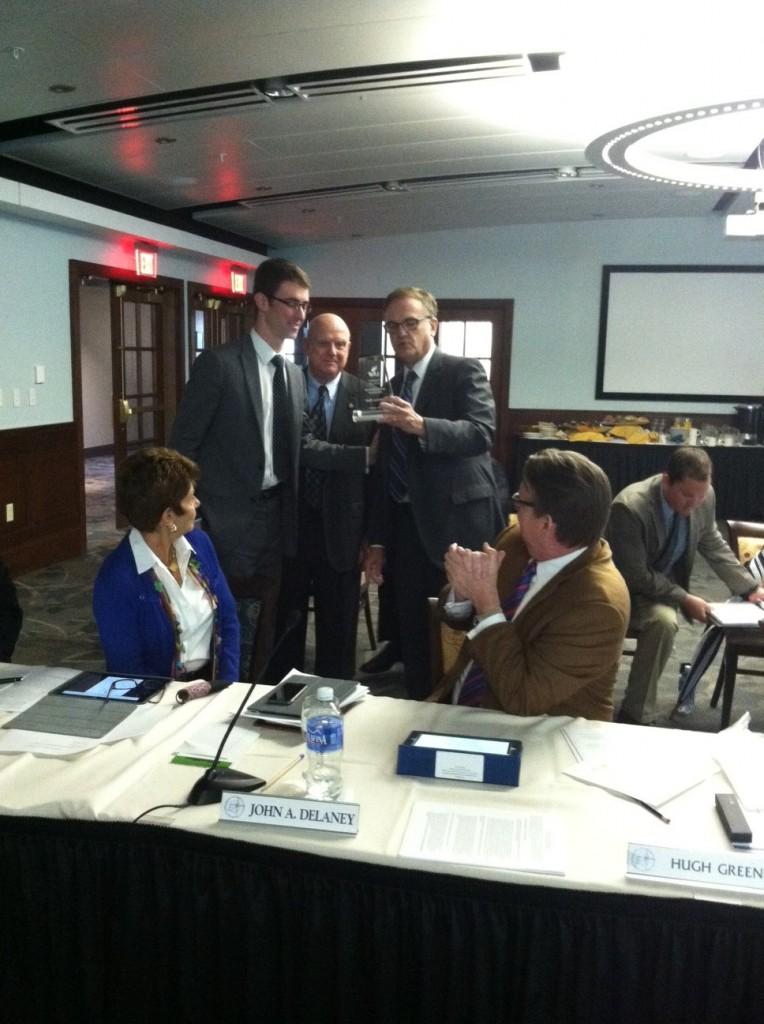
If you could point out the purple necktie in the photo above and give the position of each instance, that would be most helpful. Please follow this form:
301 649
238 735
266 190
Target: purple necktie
475 683
399 476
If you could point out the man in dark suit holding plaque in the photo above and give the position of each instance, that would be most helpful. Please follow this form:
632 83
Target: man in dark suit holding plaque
336 455
241 420
435 484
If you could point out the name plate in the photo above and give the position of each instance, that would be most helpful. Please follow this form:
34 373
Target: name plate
290 812
721 870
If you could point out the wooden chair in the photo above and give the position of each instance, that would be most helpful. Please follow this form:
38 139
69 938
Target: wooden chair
445 644
746 539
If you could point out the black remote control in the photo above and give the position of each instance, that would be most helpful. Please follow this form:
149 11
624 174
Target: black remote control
732 818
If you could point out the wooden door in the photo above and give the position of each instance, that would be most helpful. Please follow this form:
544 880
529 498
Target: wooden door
137 368
214 319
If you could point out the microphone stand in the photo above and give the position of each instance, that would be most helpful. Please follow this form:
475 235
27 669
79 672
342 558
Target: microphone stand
209 788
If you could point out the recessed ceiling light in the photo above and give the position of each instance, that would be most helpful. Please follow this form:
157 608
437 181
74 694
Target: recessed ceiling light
61 87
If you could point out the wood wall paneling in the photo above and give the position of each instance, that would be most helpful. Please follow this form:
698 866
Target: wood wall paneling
40 474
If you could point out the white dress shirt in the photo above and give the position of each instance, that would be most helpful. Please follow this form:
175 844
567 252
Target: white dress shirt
189 601
264 354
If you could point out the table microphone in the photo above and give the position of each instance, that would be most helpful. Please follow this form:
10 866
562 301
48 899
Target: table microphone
201 688
209 788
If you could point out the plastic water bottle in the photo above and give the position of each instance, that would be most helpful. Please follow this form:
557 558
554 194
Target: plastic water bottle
322 727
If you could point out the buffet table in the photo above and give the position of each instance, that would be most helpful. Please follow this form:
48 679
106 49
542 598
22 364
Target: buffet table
738 471
182 917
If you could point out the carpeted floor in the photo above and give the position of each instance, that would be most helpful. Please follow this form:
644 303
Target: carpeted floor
59 628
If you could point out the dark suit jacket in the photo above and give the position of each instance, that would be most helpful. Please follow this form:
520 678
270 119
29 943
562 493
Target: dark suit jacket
343 458
560 653
220 425
451 483
637 535
11 615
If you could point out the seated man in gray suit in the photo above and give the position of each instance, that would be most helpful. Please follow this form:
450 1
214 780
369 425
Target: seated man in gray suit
656 527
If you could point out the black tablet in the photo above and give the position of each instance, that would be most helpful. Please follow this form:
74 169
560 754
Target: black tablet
103 686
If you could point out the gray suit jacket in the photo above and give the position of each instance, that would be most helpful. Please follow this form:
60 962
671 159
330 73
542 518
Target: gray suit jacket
451 483
637 535
343 458
220 425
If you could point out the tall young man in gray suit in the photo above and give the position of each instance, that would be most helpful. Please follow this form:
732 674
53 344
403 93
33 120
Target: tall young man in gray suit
241 420
435 485
656 527
333 482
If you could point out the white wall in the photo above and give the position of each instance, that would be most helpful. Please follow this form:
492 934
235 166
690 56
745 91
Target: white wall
552 271
40 233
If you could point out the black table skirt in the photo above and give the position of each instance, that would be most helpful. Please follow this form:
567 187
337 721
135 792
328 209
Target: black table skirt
137 923
738 472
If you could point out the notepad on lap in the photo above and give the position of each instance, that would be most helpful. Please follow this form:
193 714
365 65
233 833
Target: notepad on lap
737 613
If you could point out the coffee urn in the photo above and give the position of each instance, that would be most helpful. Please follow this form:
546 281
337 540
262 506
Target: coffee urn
750 422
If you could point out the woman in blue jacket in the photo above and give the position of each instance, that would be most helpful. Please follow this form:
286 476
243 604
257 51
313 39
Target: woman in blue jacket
161 600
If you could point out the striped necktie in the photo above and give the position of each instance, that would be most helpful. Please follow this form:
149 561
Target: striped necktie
314 478
475 683
399 476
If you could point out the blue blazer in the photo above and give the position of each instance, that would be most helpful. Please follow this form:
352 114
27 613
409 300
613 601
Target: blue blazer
136 635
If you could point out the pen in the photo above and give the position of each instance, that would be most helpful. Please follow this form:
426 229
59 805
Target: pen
280 775
651 809
10 679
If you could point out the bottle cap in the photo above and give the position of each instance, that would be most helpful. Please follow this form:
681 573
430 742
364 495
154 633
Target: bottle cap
325 693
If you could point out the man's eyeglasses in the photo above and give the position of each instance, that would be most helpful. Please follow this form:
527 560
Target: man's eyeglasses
517 500
409 324
293 304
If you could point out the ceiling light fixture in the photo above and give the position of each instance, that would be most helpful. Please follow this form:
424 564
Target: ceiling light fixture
749 224
655 149
62 88
567 172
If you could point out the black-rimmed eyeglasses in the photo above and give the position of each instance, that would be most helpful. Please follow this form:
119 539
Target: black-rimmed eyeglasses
293 304
409 324
517 500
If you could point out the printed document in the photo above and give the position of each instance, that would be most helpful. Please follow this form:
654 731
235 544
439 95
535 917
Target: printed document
484 837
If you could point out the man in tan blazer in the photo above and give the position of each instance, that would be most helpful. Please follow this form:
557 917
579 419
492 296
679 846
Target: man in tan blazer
546 609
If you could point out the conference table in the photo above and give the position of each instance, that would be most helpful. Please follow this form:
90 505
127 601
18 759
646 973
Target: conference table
738 471
184 917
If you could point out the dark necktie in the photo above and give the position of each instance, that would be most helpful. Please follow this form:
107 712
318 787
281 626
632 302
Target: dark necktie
281 431
475 683
399 477
314 478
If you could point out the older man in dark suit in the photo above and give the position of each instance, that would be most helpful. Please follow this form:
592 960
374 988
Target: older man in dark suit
241 420
435 486
336 456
